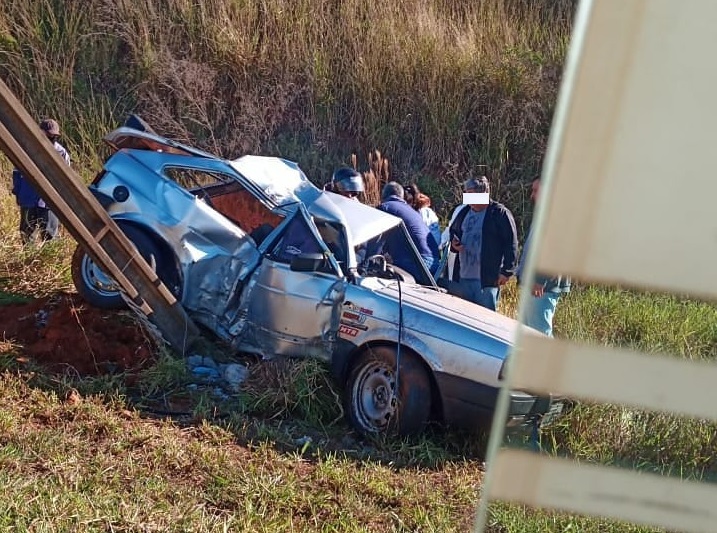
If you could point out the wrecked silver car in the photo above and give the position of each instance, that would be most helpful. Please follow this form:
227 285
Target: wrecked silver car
275 266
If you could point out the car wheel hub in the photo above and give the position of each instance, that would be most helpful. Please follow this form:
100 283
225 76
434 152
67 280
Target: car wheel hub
374 397
94 277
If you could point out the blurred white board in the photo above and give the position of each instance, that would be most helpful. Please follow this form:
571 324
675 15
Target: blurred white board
632 192
627 199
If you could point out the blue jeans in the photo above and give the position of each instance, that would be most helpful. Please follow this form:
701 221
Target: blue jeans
540 311
471 290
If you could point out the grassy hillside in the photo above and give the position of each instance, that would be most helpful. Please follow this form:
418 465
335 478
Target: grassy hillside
442 88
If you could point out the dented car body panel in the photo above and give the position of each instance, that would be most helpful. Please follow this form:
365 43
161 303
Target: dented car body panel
233 230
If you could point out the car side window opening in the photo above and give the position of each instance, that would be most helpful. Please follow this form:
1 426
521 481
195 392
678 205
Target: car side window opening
298 239
395 247
195 180
229 197
335 239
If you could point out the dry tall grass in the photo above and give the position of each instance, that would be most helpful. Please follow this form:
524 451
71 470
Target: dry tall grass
442 88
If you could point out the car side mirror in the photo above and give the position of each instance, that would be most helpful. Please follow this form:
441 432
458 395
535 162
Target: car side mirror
307 262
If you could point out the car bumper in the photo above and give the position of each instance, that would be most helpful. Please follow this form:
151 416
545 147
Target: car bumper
471 405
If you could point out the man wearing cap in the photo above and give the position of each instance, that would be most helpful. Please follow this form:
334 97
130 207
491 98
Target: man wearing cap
34 213
484 237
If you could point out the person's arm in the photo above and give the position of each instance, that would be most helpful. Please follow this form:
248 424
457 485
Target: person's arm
454 230
446 235
64 154
509 243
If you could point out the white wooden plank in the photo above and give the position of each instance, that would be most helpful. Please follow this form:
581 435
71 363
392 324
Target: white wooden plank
563 484
611 375
627 198
631 192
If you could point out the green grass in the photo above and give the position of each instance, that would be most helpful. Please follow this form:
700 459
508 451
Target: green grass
95 463
516 519
654 323
279 456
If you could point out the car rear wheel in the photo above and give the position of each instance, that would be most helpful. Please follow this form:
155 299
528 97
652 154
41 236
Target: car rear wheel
101 290
377 400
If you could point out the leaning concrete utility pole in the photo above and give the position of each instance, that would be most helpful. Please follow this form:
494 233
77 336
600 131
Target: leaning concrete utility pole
29 150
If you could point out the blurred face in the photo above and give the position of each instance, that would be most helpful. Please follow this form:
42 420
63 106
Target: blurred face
535 189
476 207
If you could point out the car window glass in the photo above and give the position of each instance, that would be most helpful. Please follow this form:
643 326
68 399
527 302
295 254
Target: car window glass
334 237
395 247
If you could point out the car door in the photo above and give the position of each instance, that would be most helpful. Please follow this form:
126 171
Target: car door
293 300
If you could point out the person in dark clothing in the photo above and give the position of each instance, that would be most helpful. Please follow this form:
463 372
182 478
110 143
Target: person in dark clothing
485 239
392 202
34 213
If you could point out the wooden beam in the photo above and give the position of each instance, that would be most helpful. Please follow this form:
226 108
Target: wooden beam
88 222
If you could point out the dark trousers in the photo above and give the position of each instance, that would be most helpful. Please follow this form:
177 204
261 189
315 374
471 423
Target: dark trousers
38 218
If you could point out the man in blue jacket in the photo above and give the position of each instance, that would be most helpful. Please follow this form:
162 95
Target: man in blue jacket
484 237
545 291
392 201
34 213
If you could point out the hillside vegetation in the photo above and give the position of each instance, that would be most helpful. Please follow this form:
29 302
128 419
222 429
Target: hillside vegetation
442 88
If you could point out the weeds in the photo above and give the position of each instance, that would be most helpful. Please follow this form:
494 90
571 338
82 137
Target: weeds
441 89
303 389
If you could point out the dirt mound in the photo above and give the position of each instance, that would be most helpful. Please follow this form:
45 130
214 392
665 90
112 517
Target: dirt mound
63 333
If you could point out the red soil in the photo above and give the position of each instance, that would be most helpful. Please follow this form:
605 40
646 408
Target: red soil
65 333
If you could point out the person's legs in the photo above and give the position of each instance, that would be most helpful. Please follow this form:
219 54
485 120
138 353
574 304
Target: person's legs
488 297
49 225
540 311
28 223
469 289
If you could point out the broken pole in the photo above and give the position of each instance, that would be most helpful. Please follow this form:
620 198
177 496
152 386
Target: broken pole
29 150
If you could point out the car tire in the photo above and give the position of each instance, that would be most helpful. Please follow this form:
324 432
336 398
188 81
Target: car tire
100 290
369 400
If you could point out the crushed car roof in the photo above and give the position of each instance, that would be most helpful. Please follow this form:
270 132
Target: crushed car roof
285 182
281 180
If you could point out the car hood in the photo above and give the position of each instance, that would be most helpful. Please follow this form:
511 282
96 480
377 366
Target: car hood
454 309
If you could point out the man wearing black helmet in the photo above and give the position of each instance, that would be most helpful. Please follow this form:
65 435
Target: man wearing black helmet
347 182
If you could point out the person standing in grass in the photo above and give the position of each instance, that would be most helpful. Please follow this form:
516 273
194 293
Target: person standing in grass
484 237
546 291
34 213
